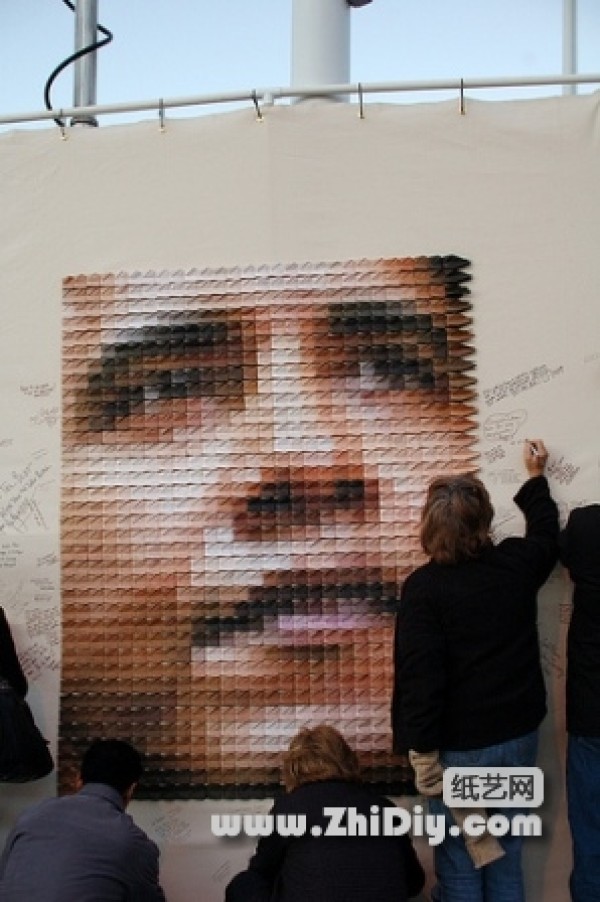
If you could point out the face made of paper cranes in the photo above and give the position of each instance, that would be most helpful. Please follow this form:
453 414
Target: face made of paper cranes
245 456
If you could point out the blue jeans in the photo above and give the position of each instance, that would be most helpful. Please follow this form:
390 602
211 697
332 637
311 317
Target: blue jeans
583 805
501 881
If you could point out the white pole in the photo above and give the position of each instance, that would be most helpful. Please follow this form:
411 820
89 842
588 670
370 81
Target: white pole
569 42
84 86
320 43
266 96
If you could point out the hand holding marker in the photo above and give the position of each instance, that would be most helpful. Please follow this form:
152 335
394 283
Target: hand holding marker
535 456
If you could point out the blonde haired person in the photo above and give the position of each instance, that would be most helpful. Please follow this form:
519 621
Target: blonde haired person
468 677
319 754
320 772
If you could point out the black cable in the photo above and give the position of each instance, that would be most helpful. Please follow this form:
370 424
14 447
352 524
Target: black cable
71 59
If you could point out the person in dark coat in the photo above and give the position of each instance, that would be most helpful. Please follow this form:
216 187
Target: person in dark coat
580 553
10 666
320 772
468 677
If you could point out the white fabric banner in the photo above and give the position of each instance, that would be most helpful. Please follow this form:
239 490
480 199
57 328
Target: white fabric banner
512 188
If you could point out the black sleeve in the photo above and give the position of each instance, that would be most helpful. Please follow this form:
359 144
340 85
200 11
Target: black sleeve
248 886
542 527
415 875
400 746
419 669
270 852
10 666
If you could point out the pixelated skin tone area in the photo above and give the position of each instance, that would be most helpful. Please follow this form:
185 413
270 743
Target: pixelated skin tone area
245 455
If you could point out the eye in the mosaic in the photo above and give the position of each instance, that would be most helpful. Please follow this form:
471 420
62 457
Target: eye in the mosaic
202 359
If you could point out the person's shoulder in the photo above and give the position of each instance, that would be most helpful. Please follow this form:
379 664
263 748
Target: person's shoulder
127 834
137 832
42 809
317 791
369 794
301 793
421 576
295 801
342 791
420 583
583 518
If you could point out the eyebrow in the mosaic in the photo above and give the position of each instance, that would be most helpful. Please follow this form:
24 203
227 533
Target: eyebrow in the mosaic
403 349
208 330
162 361
382 317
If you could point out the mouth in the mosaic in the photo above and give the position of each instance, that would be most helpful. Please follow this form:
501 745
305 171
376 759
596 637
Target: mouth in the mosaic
303 600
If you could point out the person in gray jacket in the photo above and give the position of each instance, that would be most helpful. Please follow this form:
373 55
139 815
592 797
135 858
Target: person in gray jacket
84 847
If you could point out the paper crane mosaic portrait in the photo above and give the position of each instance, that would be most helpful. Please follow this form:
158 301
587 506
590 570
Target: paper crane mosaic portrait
245 456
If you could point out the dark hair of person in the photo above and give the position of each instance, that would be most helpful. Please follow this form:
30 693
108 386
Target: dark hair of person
456 519
319 753
113 762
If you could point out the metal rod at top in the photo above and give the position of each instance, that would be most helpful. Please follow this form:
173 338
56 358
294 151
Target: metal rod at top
84 85
272 94
569 42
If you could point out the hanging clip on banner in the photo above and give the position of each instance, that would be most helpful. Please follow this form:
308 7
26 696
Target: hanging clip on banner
259 115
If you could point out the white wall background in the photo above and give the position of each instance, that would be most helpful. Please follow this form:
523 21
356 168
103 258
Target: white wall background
514 187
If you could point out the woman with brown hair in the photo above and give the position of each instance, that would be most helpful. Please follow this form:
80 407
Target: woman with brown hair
468 677
321 772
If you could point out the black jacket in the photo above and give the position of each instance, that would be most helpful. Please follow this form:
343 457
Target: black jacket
10 667
580 553
467 660
327 868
